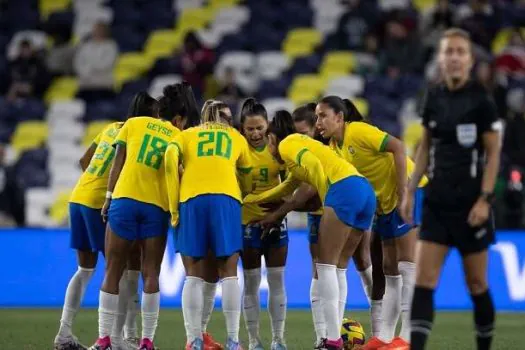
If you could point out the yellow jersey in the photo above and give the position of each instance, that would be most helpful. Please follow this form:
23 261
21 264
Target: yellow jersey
265 174
91 188
143 176
364 147
212 156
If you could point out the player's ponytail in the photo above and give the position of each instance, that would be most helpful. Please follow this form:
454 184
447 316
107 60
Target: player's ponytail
212 113
143 104
281 125
190 103
305 113
251 108
178 101
353 114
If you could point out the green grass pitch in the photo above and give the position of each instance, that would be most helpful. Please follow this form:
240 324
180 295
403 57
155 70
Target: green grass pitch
35 329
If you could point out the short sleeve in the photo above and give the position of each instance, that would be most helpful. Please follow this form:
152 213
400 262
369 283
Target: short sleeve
122 137
244 162
369 136
488 116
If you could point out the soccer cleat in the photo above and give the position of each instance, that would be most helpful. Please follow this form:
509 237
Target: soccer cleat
319 344
256 346
374 344
69 343
233 345
196 344
210 343
397 343
333 344
278 345
146 344
102 344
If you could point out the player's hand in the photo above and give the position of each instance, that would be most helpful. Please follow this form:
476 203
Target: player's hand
406 210
268 220
105 209
479 213
269 207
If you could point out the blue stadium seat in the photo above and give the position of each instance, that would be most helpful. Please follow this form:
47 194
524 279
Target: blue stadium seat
264 37
128 37
170 65
234 42
305 65
30 109
37 157
155 17
135 86
101 110
273 88
295 14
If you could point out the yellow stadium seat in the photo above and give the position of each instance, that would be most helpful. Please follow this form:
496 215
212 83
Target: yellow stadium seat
29 135
131 66
162 43
306 88
217 4
47 7
301 42
412 136
362 106
59 209
502 39
423 5
337 63
62 89
194 18
92 130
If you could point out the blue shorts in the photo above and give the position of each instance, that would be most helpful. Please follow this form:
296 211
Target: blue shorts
88 231
209 222
391 225
131 219
313 227
252 237
353 201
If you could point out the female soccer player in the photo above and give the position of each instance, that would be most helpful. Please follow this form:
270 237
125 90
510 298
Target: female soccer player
348 208
460 151
381 158
87 227
137 208
266 174
210 215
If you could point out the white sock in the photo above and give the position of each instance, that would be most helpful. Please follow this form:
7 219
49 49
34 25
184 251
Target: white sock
317 311
251 303
231 306
391 307
133 307
343 291
329 295
375 316
192 304
150 314
107 309
74 294
277 301
366 281
210 289
120 317
408 273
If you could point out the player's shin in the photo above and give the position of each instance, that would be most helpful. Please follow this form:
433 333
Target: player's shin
408 274
484 316
277 302
317 311
422 317
107 310
209 291
329 295
231 306
120 317
343 291
251 302
391 307
192 303
133 306
150 314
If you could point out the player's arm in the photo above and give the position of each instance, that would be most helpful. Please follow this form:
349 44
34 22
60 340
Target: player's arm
244 168
296 202
314 169
421 160
86 157
285 188
397 148
491 128
171 166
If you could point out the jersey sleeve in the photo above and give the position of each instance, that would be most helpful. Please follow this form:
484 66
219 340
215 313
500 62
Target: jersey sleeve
171 165
488 116
285 188
122 137
369 136
244 167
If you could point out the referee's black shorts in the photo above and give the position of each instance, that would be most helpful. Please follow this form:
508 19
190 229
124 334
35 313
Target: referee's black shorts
449 227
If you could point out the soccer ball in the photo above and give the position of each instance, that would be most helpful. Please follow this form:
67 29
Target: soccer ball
352 333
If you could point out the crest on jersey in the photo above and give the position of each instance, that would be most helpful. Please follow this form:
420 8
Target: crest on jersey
351 150
467 134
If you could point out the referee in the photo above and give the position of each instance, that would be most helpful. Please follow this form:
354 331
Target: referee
459 151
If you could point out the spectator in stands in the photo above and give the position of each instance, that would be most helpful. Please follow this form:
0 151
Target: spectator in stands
359 19
487 77
230 91
478 17
514 138
12 201
60 56
197 62
28 75
438 19
512 59
94 63
402 49
367 59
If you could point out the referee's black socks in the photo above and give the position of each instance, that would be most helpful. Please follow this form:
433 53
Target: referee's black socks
484 319
422 317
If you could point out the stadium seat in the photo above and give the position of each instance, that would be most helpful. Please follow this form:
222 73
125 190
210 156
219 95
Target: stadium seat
362 106
337 63
326 17
37 38
66 109
61 89
36 213
351 85
274 104
271 64
160 82
423 5
28 135
72 133
391 5
59 210
87 16
131 66
92 130
194 19
162 43
411 136
306 88
301 42
64 178
181 5
237 15
218 4
244 65
502 39
46 7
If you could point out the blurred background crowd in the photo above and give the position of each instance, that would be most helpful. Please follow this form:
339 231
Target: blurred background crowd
68 67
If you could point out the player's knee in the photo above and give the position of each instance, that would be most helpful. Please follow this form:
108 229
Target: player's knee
362 261
390 266
476 284
151 283
427 278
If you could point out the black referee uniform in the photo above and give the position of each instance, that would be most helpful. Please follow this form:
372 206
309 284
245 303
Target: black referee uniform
456 121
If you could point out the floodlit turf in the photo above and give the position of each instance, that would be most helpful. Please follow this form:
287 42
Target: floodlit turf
34 329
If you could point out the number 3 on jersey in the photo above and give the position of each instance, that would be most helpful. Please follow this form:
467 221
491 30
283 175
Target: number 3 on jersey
214 143
153 157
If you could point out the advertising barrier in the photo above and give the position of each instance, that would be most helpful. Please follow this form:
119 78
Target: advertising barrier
37 265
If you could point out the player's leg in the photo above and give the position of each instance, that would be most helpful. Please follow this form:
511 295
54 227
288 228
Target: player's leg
378 284
363 263
317 312
211 279
87 260
251 262
342 265
406 247
133 305
275 257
